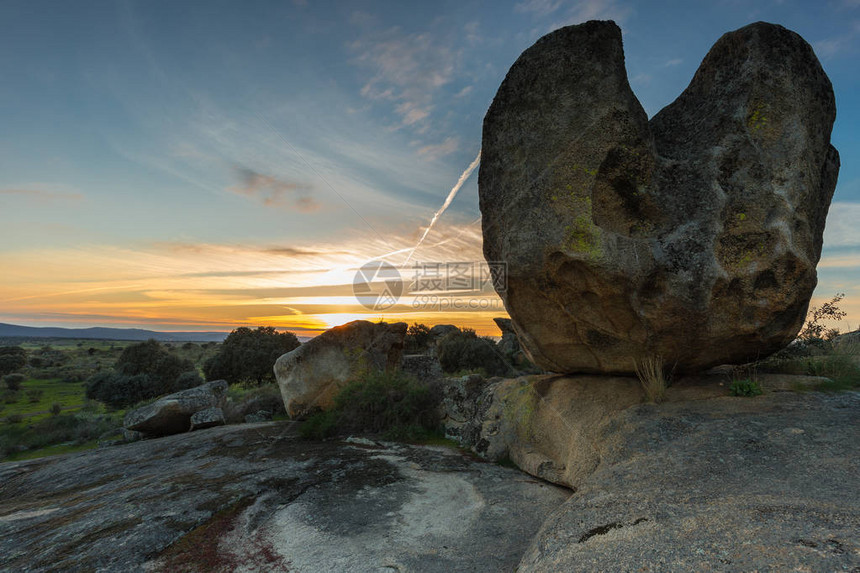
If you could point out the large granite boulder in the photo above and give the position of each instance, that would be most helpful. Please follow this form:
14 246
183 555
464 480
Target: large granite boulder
312 375
693 236
172 414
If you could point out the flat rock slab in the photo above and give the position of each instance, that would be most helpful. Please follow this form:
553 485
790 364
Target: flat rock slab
257 498
770 483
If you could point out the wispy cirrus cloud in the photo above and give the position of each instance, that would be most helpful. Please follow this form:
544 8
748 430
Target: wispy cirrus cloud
439 150
538 7
406 69
837 45
273 192
567 13
841 229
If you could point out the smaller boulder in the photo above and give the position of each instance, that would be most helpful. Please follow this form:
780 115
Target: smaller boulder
171 414
208 418
312 375
441 330
260 416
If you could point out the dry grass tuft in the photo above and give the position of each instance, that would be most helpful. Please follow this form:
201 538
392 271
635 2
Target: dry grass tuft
652 377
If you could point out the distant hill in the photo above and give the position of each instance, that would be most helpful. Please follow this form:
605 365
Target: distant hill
15 331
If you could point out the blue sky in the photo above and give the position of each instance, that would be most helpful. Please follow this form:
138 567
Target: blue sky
275 145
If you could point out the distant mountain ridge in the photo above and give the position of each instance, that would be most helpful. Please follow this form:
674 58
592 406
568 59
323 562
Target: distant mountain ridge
13 330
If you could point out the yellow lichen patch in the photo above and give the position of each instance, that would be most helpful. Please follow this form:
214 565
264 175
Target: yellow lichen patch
520 405
757 119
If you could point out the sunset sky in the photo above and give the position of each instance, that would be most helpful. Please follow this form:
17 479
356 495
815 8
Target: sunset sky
207 165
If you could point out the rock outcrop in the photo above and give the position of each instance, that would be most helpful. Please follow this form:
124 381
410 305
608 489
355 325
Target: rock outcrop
701 482
693 236
311 375
258 498
172 414
723 484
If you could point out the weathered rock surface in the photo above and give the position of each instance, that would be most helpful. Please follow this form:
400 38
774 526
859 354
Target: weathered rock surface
423 367
259 416
509 345
255 498
172 413
701 482
311 375
208 418
693 236
723 484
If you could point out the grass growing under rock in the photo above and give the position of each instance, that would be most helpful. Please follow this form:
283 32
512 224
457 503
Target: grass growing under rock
652 376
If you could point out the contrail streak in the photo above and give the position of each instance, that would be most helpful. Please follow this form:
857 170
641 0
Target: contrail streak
445 205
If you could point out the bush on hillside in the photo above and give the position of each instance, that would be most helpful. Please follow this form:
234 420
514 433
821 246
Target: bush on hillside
12 358
143 371
465 350
119 390
152 359
249 355
13 381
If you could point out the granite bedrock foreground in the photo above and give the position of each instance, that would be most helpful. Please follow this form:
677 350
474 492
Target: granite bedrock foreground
702 482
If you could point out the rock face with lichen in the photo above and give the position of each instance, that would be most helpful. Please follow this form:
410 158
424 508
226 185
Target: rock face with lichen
693 236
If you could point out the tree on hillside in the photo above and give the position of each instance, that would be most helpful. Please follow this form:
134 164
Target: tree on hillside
13 381
249 355
142 371
154 360
12 358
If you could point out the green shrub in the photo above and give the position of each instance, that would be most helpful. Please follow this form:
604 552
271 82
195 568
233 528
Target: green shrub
250 355
12 358
143 371
392 404
464 350
14 418
34 395
242 401
11 396
13 381
747 387
120 390
190 379
320 426
153 360
56 409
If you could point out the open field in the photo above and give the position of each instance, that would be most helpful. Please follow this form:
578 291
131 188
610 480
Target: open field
69 395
